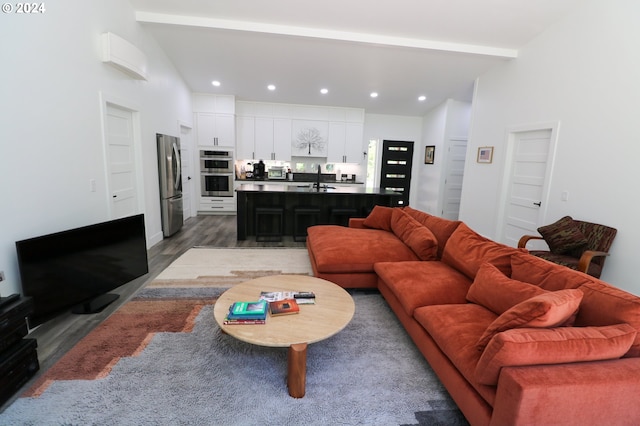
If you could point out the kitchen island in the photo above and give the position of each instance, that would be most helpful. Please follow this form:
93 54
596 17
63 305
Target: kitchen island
327 200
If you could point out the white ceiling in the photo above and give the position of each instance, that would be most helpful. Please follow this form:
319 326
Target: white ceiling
400 49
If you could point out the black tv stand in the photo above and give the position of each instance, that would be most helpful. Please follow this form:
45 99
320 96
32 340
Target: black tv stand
95 305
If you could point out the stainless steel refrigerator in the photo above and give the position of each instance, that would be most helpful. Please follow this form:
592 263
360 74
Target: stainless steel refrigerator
169 172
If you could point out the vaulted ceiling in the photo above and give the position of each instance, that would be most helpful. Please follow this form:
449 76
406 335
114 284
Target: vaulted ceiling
401 49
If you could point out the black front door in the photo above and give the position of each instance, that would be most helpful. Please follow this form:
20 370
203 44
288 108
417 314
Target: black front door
395 173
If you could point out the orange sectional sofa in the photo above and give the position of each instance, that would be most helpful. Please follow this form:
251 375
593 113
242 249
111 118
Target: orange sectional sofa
516 340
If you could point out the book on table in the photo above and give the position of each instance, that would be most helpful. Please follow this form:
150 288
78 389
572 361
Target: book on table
302 297
283 307
247 313
228 321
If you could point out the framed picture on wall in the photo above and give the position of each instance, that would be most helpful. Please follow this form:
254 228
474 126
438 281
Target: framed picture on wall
429 154
485 154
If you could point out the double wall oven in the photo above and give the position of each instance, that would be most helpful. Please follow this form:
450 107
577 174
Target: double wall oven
216 173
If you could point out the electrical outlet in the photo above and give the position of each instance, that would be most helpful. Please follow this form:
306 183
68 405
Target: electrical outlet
1 276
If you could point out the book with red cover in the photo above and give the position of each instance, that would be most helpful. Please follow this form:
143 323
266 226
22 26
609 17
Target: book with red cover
284 307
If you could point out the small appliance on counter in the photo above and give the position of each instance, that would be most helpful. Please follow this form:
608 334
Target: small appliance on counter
258 170
277 172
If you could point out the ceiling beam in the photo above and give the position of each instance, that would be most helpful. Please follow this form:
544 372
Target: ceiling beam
225 24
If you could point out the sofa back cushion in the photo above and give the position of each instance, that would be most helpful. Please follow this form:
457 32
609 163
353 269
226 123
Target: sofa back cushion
379 218
442 228
466 250
497 292
549 276
604 304
417 237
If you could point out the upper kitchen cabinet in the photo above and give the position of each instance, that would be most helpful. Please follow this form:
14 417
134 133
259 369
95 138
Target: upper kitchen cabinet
263 138
221 104
272 131
345 143
215 129
214 119
282 138
245 137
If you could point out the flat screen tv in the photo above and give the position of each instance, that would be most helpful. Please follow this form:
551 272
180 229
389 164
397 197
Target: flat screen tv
75 269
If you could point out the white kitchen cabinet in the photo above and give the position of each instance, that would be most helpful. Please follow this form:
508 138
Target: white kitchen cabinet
282 139
264 139
337 139
215 129
245 137
345 143
221 104
353 147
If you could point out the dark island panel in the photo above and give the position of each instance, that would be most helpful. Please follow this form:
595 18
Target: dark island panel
360 199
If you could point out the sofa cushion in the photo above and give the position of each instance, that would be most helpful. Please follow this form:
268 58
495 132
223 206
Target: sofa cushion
531 346
417 284
379 218
442 228
550 309
337 249
546 275
563 236
419 238
497 292
604 304
455 329
466 250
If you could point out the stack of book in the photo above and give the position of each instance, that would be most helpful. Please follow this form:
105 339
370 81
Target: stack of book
247 313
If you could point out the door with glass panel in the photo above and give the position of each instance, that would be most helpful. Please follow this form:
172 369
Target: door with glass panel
395 173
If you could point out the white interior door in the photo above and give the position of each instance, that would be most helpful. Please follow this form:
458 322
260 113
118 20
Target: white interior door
187 158
452 192
527 191
121 161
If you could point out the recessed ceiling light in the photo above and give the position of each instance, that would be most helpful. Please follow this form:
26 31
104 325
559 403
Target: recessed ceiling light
374 94
324 91
215 83
271 87
422 98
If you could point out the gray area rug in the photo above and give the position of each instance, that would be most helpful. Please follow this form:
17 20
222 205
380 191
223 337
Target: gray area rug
368 374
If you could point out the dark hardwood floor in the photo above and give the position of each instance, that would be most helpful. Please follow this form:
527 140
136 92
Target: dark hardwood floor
57 336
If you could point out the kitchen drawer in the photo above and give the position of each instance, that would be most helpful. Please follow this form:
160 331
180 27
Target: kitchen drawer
217 204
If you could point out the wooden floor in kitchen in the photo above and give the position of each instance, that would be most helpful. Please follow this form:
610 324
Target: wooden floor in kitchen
57 336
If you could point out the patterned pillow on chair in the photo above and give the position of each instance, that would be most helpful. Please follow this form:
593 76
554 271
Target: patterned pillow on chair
563 236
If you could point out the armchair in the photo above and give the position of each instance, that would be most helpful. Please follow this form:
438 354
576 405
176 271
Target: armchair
588 258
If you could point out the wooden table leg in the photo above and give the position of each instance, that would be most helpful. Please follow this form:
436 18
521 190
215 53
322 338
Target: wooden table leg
297 369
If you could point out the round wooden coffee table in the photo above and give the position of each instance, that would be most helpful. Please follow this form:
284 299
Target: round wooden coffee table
332 311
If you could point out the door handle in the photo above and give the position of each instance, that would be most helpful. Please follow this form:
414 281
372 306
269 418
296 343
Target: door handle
539 203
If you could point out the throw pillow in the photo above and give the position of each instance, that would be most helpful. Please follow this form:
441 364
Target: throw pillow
442 228
497 292
379 218
527 346
417 237
563 236
550 309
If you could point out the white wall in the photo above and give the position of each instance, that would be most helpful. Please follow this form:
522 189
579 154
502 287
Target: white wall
448 120
397 128
51 134
583 73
